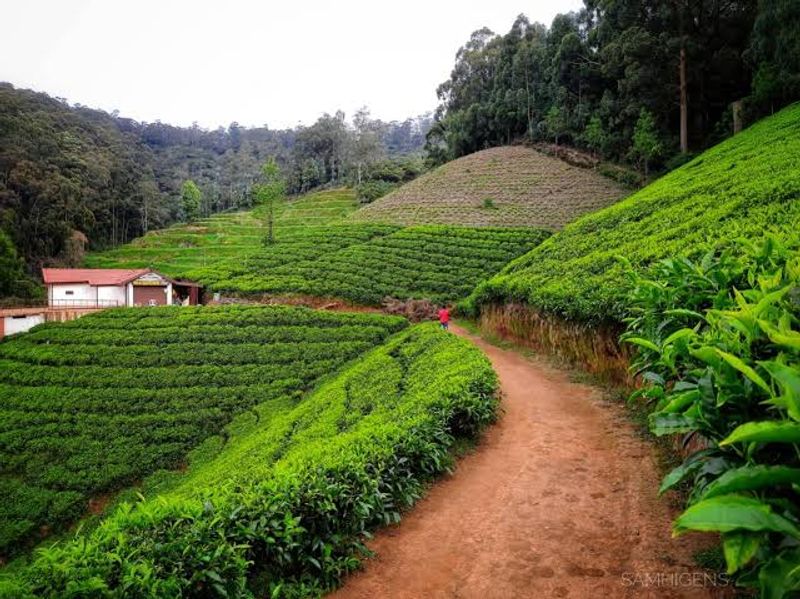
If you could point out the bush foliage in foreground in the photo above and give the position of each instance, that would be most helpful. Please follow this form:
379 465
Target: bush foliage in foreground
307 485
743 187
719 344
89 406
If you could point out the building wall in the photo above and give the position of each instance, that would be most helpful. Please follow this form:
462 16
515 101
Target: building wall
14 325
59 294
110 293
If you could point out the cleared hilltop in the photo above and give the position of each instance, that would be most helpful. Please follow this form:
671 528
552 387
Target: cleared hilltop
505 186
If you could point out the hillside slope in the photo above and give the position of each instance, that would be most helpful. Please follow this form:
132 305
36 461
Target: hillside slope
506 186
745 187
282 500
89 406
205 242
315 254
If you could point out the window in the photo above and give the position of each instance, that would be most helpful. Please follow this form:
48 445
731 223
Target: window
69 293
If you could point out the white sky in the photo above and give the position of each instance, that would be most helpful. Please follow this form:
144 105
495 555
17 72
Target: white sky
254 62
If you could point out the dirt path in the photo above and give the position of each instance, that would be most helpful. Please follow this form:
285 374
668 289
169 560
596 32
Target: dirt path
559 500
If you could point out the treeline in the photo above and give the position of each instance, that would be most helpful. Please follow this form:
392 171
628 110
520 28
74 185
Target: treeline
645 81
72 177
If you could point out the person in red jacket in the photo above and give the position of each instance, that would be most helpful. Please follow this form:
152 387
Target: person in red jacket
444 317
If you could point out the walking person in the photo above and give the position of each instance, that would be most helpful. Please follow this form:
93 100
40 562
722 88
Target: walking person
444 317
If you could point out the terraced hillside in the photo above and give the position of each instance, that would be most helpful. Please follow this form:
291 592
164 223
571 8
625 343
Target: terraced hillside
282 508
745 187
363 263
89 406
366 263
178 249
507 186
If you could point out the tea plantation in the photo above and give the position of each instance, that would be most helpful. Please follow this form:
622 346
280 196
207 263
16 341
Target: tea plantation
208 241
365 263
743 188
283 507
92 405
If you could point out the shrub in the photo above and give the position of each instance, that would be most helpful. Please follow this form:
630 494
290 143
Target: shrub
284 509
719 349
89 406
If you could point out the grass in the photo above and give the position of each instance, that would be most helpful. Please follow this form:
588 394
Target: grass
743 188
508 186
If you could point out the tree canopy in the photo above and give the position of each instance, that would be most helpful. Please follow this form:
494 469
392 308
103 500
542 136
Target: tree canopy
586 78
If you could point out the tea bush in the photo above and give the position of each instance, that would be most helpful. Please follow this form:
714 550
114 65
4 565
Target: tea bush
284 508
89 406
743 187
438 263
719 347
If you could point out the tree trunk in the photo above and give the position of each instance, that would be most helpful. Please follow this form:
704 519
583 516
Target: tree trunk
737 116
684 106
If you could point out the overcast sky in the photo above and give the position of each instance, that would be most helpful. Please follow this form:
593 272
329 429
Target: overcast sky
254 62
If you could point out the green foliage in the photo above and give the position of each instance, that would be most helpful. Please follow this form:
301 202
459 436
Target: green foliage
308 485
270 190
719 346
742 188
367 263
594 136
177 250
369 191
91 405
191 199
607 62
14 282
555 123
647 145
775 53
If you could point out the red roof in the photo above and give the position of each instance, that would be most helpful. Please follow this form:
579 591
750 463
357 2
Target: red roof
92 276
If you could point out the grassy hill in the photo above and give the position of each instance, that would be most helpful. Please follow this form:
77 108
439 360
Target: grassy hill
177 249
279 503
506 186
745 187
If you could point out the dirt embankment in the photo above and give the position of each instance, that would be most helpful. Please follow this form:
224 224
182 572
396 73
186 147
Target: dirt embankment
558 500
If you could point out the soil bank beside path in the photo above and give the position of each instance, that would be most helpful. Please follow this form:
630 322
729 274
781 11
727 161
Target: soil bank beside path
558 500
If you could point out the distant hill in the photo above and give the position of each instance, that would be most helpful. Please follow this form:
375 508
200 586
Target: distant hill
506 186
743 188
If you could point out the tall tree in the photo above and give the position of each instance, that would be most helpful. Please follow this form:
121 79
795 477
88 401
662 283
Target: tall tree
270 189
192 199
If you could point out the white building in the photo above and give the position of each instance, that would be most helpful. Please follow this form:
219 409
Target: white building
106 287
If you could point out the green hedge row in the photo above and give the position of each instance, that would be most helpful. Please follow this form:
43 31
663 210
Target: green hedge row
283 510
89 406
742 188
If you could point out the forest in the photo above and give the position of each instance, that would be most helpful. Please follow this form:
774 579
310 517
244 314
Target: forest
74 178
642 81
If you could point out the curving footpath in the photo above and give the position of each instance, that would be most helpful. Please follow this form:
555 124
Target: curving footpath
558 500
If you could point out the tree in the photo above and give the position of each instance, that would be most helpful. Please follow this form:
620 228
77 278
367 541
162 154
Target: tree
646 143
775 54
555 123
191 198
594 136
270 189
13 280
366 146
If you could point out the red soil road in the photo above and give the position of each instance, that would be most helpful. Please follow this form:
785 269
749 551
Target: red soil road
558 500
